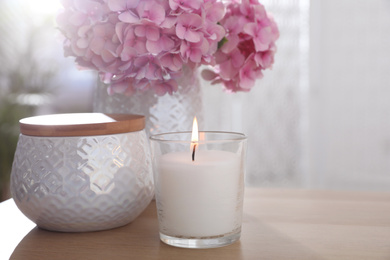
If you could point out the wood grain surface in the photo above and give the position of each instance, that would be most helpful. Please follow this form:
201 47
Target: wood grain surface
278 224
81 124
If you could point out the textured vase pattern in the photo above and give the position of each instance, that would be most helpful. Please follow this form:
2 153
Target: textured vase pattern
169 113
79 184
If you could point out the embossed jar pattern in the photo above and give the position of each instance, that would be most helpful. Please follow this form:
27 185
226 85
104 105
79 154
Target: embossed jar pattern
83 183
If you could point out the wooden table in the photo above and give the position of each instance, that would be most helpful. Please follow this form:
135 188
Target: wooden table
278 224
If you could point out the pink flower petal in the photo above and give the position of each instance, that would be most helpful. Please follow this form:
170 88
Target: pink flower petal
173 4
193 20
260 45
140 46
128 17
234 24
196 55
167 43
141 61
195 4
251 29
248 75
160 90
97 45
121 5
99 31
187 27
119 87
82 43
87 6
105 77
221 57
216 12
163 87
157 14
151 11
107 56
152 33
77 19
227 70
216 32
154 47
117 5
208 74
169 22
125 67
231 44
172 62
246 82
128 53
180 31
185 4
259 12
119 27
82 31
204 46
246 8
177 62
140 31
266 35
192 36
237 58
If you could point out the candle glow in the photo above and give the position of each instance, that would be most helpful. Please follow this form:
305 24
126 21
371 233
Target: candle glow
194 137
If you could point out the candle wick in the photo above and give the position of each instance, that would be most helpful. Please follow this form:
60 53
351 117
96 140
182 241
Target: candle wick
193 153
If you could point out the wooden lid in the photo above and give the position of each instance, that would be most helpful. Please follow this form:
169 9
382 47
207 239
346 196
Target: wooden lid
81 124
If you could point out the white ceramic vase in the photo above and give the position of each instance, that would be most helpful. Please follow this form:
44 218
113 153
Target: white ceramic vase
82 183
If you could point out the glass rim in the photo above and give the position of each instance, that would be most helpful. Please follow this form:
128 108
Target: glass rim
240 137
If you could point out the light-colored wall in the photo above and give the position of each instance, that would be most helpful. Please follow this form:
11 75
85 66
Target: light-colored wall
350 94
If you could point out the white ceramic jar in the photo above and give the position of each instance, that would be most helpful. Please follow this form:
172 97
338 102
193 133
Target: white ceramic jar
82 172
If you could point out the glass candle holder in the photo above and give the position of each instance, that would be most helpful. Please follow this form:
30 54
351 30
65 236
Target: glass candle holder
199 187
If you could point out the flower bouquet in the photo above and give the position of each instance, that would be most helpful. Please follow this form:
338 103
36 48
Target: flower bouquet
141 45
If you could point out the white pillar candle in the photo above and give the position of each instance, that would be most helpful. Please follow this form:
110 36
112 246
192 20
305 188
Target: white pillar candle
199 198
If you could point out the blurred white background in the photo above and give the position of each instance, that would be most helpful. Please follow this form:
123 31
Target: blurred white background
319 119
349 109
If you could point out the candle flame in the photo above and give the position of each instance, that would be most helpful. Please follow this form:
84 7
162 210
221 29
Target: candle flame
194 137
195 134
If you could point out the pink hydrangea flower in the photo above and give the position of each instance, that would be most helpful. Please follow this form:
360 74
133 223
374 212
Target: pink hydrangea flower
189 27
247 49
138 45
186 5
124 8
